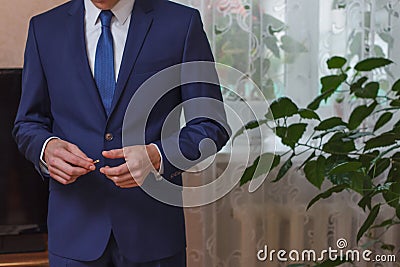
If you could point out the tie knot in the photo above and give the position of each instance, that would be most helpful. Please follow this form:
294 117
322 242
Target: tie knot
105 18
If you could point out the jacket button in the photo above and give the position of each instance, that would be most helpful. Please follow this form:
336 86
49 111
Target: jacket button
109 137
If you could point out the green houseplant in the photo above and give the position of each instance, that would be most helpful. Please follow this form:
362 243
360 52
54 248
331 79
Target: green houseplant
359 153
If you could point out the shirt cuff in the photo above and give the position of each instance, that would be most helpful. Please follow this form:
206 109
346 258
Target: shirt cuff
158 173
42 162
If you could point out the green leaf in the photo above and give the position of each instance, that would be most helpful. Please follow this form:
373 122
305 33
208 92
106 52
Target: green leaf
295 132
378 51
282 107
366 200
292 134
315 171
380 141
329 124
396 132
290 45
392 195
396 159
250 125
369 221
284 169
386 37
369 91
346 167
357 181
280 131
307 160
332 82
383 119
396 86
276 161
336 62
372 63
383 224
268 88
388 247
254 171
317 101
358 84
337 179
379 167
326 194
395 103
396 125
394 174
306 113
366 158
359 114
336 144
398 212
272 44
273 22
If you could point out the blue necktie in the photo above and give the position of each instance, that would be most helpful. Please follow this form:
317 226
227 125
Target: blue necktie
104 63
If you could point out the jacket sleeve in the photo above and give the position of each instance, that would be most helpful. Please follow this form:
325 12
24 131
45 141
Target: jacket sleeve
33 121
206 129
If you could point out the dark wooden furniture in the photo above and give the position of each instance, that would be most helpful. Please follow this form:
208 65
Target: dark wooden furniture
35 259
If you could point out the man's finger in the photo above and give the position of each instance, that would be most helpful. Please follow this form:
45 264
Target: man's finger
121 179
129 185
127 182
115 171
68 169
78 161
76 151
114 154
59 179
60 173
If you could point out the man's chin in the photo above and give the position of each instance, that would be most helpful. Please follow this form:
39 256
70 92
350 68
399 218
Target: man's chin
105 4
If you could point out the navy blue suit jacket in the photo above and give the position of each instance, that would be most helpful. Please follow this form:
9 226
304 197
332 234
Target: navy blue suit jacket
60 98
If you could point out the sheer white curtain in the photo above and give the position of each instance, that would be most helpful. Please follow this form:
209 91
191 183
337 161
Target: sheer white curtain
283 46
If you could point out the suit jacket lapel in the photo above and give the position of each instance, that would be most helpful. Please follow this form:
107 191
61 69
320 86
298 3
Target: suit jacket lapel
77 46
140 24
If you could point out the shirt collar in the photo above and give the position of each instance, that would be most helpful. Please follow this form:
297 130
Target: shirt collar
121 11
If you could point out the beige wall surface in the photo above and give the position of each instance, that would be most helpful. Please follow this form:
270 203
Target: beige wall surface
14 21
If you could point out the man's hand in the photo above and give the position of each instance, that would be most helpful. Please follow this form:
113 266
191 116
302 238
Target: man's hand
140 160
66 162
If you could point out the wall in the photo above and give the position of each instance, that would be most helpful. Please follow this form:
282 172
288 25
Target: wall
14 21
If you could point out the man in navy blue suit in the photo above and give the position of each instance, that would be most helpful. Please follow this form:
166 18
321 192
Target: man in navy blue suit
84 60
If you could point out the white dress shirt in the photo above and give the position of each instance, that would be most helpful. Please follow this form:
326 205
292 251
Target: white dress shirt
119 29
